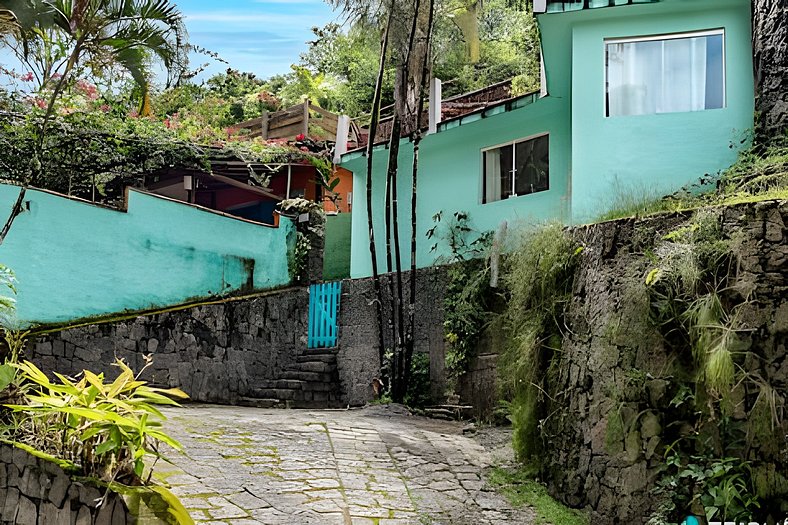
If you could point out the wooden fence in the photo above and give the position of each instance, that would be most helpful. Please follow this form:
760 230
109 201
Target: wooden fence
290 122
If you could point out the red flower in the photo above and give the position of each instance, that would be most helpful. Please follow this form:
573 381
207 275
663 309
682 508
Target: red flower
27 77
300 137
41 103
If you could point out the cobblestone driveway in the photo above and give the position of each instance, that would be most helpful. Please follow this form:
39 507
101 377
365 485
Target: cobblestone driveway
372 466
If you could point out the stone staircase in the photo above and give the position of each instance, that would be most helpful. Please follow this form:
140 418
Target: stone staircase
311 382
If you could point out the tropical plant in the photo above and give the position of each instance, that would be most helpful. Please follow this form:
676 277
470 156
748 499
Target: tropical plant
57 38
106 429
98 34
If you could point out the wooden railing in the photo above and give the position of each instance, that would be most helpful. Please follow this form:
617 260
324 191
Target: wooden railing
290 122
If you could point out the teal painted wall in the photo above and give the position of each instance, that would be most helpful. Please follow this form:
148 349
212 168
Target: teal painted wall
450 164
336 257
75 260
654 153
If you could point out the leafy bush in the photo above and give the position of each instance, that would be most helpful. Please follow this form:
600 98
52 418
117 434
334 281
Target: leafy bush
107 429
467 312
418 394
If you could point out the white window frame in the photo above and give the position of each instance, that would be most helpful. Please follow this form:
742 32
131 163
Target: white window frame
661 37
514 180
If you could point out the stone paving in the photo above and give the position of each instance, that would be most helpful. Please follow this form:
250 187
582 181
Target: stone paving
376 465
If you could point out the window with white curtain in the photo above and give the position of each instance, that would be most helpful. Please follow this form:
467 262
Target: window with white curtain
666 74
517 168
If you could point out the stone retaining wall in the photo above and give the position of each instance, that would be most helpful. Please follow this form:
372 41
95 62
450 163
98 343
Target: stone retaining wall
358 358
36 491
216 353
615 364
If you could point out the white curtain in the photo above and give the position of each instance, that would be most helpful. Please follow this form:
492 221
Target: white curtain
659 76
684 79
492 179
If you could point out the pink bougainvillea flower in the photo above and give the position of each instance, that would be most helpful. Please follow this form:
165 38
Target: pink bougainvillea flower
134 113
27 77
304 148
300 137
41 103
104 107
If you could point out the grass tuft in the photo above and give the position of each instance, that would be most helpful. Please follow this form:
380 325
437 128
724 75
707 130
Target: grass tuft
521 489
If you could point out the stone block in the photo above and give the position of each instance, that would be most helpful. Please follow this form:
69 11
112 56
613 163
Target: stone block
10 505
89 496
82 517
50 514
59 489
27 512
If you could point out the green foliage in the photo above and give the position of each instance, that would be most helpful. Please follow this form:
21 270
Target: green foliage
308 233
418 394
461 238
723 487
466 307
105 428
539 281
696 303
695 266
86 147
7 298
520 488
508 48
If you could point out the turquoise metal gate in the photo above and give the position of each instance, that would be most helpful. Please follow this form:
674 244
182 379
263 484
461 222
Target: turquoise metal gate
324 314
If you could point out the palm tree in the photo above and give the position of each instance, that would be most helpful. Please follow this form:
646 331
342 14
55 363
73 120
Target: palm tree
102 33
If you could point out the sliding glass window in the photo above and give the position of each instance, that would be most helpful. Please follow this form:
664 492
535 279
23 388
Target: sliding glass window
517 168
667 74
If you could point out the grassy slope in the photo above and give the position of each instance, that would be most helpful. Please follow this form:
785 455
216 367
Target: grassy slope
757 175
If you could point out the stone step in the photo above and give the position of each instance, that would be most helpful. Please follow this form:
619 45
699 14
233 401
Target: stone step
325 358
283 382
315 366
282 394
307 376
319 386
314 404
261 402
321 351
296 384
285 394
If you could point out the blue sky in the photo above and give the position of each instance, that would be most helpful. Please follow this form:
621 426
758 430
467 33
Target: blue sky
260 36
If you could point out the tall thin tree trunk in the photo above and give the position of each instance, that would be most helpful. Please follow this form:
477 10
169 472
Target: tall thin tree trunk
770 61
398 371
409 86
373 126
417 136
391 183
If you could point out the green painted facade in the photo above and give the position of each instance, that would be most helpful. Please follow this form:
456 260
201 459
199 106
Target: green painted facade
654 153
75 260
591 155
336 259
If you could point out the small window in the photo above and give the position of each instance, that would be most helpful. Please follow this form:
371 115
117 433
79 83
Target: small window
518 168
668 74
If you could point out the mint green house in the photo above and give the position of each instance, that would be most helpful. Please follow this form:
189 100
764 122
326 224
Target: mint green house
636 95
